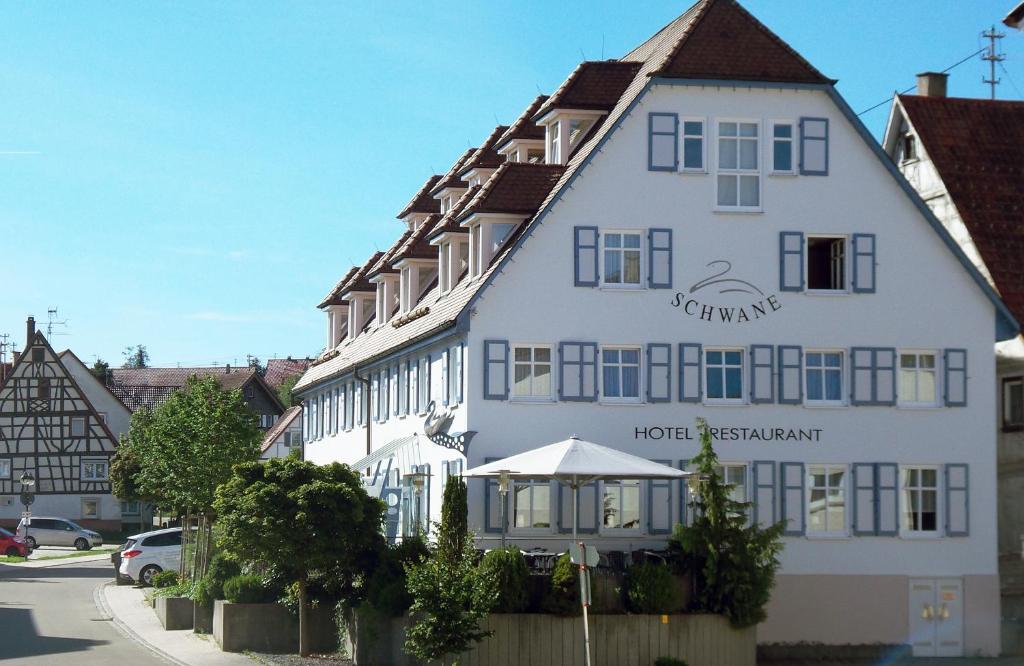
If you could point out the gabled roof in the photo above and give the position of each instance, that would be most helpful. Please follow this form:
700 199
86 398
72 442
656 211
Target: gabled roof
724 41
422 202
977 146
358 281
383 263
524 128
1015 19
486 156
451 179
516 187
280 369
416 245
450 222
67 355
280 426
333 297
592 85
149 387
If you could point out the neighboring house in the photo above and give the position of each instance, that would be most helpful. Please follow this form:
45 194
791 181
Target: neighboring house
965 157
280 369
150 387
285 436
51 428
712 232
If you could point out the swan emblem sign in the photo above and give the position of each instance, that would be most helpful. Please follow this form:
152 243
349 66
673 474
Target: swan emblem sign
436 426
701 303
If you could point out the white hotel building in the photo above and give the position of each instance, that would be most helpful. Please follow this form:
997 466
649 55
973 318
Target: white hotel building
700 228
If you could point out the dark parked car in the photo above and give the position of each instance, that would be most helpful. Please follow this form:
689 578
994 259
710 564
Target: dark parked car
13 546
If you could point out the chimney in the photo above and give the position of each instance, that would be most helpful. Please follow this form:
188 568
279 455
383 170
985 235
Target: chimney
931 84
227 369
30 331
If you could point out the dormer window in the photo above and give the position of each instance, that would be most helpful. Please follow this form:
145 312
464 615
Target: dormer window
534 155
554 144
578 129
406 299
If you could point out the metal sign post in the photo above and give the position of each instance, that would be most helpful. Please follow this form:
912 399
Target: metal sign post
584 556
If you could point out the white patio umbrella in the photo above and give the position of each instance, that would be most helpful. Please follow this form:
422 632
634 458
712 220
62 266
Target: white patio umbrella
575 462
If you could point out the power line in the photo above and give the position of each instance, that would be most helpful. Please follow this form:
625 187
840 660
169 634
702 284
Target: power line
992 57
956 64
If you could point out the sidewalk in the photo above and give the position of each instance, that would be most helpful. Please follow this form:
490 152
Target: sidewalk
133 617
58 561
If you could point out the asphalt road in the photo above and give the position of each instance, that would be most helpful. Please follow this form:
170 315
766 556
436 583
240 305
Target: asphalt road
48 616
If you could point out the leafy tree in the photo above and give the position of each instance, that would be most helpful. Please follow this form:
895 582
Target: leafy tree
734 563
449 597
101 371
284 391
303 520
135 357
187 446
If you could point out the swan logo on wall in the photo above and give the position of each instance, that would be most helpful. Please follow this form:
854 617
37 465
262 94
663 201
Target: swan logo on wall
721 283
436 426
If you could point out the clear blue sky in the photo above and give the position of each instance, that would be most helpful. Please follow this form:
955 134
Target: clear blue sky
195 176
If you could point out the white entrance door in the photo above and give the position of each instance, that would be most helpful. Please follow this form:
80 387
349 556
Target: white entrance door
936 617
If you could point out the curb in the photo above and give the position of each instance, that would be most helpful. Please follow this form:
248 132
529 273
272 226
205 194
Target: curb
99 599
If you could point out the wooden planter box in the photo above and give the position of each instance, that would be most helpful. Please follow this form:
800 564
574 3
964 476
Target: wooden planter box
270 628
174 612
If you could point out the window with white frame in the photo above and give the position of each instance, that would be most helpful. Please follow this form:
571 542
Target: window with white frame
693 145
918 379
920 500
578 128
824 377
620 505
94 470
531 505
739 173
5 468
500 233
723 375
424 383
531 368
130 508
78 426
444 267
620 373
622 258
735 476
826 503
782 148
555 148
1013 403
454 375
291 439
90 507
826 263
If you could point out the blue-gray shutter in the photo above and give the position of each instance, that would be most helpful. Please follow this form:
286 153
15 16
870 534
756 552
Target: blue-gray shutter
791 374
685 510
414 395
407 405
814 146
495 369
588 510
456 467
793 488
662 141
691 380
872 376
887 476
375 396
585 256
659 258
865 501
445 473
577 371
764 492
492 504
445 397
659 372
659 504
460 365
425 468
428 389
762 369
958 521
396 390
864 263
885 376
791 261
955 385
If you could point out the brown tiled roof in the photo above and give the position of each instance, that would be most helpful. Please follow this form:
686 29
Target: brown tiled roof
724 41
524 127
383 264
333 296
516 187
450 222
1015 19
422 202
280 426
280 369
977 146
486 156
358 281
149 387
416 245
451 179
592 85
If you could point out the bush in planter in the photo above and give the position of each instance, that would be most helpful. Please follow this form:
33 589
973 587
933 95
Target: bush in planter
509 577
246 589
563 597
211 586
165 579
651 588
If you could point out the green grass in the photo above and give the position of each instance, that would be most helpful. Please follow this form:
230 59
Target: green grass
102 550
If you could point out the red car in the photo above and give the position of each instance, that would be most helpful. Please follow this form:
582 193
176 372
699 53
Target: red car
11 545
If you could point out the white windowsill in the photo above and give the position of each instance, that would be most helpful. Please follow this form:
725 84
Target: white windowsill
920 535
632 402
828 292
719 210
725 403
918 407
531 401
626 288
825 405
827 536
693 172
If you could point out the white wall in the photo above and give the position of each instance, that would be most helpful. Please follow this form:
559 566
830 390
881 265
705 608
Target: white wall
118 416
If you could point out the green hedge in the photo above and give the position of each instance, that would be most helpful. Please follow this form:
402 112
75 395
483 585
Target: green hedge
510 578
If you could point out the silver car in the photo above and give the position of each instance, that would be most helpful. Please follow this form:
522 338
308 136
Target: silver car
50 531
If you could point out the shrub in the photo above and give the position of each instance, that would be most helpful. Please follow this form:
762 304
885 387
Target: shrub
165 579
509 577
669 661
221 569
246 589
201 593
563 597
651 588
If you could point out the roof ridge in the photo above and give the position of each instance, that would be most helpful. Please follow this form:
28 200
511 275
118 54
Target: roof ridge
452 173
701 9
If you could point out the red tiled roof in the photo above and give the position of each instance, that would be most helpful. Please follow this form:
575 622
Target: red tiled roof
592 85
724 41
422 202
977 146
280 369
449 223
149 387
280 426
524 127
516 187
486 156
358 281
451 179
383 264
416 245
332 298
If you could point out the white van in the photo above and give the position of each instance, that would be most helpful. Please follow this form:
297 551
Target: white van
50 531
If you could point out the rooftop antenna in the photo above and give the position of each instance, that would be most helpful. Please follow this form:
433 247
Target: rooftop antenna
4 344
991 35
583 55
602 46
51 316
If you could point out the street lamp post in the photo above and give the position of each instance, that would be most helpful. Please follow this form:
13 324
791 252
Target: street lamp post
418 480
503 483
27 480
